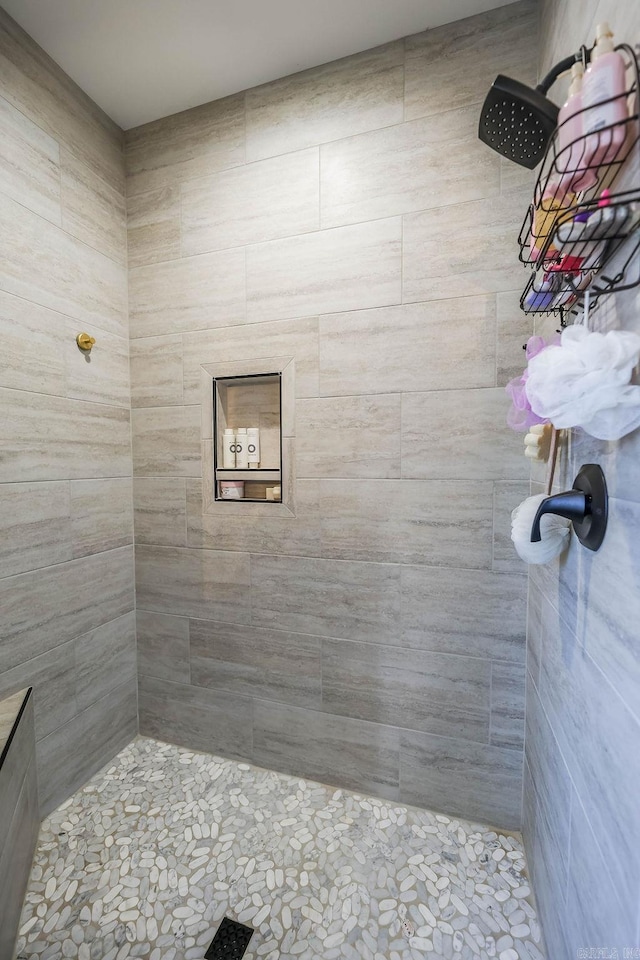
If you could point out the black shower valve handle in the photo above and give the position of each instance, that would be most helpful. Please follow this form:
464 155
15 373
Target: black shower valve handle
573 505
586 505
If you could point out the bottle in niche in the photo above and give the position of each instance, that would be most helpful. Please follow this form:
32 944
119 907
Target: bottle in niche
253 447
242 461
228 449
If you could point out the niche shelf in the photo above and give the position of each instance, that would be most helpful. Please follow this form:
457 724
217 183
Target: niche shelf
572 257
250 400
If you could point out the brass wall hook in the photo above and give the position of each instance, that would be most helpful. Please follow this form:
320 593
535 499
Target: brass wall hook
84 341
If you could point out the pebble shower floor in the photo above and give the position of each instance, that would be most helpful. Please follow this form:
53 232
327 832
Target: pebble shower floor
146 859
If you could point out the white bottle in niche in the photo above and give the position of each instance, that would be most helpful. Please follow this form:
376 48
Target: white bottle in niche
228 449
241 449
253 447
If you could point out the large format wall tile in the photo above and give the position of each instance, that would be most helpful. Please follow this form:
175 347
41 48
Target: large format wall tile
348 437
411 166
190 294
160 514
441 345
463 250
461 434
490 623
163 646
454 775
443 523
50 438
41 262
346 268
166 441
24 322
507 705
52 677
34 526
447 696
101 376
363 92
358 601
349 753
70 755
105 658
208 584
456 64
249 204
73 598
153 226
92 209
190 144
254 662
157 372
100 515
29 163
208 720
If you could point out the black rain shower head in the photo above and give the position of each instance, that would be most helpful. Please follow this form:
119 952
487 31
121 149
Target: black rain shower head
517 121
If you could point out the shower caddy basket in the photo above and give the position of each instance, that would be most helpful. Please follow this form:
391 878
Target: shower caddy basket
566 268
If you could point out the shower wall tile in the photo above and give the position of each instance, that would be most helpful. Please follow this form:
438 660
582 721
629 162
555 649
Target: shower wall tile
328 271
105 658
255 662
443 523
453 775
166 441
358 601
93 210
163 646
260 201
456 64
101 376
195 293
296 338
444 695
440 345
153 226
100 515
29 164
156 371
209 720
50 438
34 526
66 562
73 598
296 536
70 755
41 262
358 93
461 434
17 856
507 705
412 166
239 255
348 437
349 753
462 250
160 514
490 623
207 584
186 145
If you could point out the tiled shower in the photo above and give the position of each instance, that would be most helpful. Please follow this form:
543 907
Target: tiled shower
380 635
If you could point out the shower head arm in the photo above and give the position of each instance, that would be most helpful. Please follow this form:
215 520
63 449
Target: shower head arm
583 54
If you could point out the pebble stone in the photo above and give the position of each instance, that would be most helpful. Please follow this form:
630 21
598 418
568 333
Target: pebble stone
146 859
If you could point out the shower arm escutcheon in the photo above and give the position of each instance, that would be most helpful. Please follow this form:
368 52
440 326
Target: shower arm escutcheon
586 505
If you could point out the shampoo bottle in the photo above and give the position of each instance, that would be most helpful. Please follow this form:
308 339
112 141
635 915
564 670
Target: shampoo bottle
604 102
242 461
570 159
253 447
228 449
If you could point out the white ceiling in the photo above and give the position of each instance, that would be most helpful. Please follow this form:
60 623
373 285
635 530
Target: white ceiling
144 59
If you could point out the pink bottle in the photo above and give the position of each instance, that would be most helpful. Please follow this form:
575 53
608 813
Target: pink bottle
570 158
605 79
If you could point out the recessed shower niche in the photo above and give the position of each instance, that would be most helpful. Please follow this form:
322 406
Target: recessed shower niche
247 437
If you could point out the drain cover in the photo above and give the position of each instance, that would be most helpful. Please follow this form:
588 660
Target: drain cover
230 942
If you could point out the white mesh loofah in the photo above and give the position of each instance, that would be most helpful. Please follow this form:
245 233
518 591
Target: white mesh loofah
554 530
584 382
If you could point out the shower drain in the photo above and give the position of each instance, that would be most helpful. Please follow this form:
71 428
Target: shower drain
230 942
